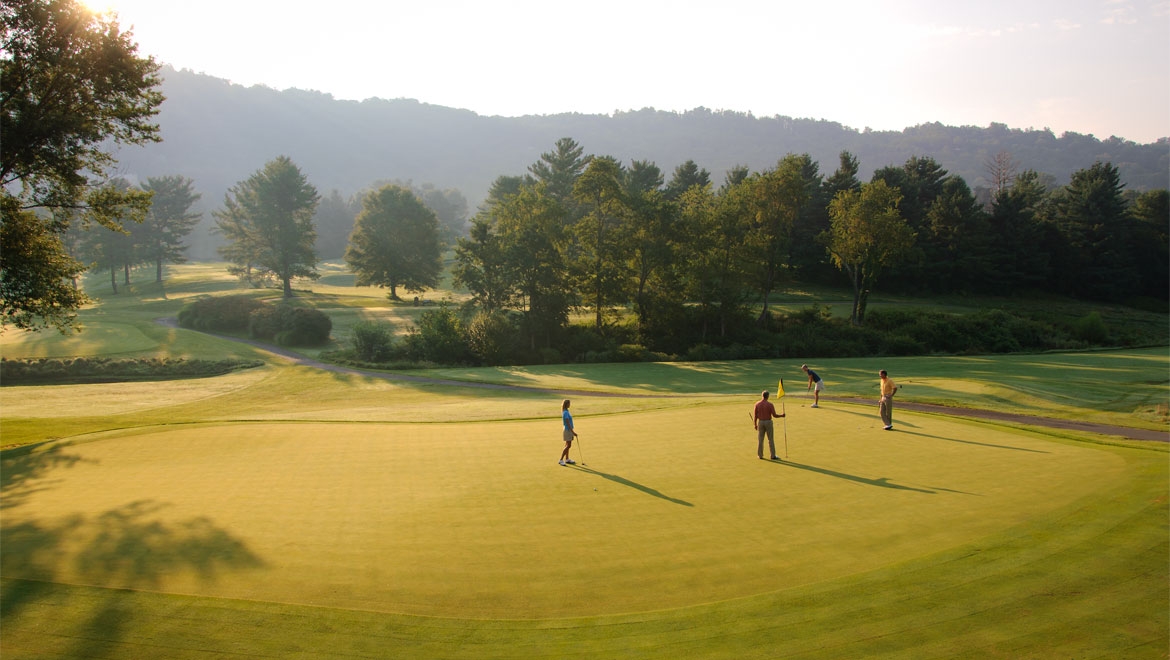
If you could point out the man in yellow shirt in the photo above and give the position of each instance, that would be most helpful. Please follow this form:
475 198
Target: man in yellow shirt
886 403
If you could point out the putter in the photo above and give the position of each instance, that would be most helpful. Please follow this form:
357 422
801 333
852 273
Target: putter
580 454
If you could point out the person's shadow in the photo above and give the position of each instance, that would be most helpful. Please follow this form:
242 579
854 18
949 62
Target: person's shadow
883 482
633 484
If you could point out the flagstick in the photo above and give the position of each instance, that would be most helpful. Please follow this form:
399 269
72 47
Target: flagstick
783 411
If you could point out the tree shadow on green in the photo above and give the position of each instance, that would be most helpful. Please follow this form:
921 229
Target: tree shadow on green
883 482
633 484
125 548
23 472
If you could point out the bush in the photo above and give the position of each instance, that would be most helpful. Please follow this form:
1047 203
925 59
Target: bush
1091 328
372 340
492 337
439 336
264 322
223 313
99 369
305 326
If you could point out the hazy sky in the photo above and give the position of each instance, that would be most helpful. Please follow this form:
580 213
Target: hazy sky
1090 66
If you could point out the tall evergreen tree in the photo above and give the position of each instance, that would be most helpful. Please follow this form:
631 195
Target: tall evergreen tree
1151 239
268 219
1018 249
958 235
600 236
169 221
685 177
1091 214
559 169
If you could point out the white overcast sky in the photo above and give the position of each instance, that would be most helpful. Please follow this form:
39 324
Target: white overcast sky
1089 66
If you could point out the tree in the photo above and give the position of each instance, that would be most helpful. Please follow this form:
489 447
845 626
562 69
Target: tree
685 177
169 220
395 242
1091 214
775 200
651 246
1001 170
268 219
450 207
110 241
333 223
480 266
1016 258
559 170
73 89
535 253
958 233
712 252
600 234
1151 216
37 296
867 233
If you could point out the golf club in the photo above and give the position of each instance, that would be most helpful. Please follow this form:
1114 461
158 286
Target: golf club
580 454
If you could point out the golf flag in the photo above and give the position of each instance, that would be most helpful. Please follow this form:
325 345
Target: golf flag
780 389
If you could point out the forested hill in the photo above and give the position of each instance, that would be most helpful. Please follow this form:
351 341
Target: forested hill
218 133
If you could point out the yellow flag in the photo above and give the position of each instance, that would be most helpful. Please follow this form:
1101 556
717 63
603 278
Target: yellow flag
780 389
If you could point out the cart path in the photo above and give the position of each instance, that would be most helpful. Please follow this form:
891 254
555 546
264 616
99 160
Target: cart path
973 413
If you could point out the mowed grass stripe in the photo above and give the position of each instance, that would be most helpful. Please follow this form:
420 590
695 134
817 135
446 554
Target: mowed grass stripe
1088 581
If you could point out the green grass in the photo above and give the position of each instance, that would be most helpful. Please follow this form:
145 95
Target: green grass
285 511
465 540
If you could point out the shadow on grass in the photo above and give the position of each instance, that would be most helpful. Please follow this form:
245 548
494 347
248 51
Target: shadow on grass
874 417
972 442
883 482
632 484
23 472
130 547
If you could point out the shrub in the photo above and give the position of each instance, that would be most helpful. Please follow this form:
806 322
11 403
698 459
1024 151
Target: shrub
290 326
439 336
305 326
264 322
1091 328
100 369
372 340
550 356
492 338
222 313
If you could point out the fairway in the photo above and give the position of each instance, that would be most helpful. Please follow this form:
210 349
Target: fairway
476 520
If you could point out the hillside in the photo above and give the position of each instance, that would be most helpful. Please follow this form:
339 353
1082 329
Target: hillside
218 133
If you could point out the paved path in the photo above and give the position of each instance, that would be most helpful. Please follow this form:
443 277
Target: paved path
974 413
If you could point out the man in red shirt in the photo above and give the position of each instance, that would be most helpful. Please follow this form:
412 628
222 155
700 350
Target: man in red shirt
762 417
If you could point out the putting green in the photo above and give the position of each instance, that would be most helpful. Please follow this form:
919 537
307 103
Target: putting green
476 520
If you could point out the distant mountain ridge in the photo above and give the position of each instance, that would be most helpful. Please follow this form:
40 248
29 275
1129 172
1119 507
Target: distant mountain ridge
218 133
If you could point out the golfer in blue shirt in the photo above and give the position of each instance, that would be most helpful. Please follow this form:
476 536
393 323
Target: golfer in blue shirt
568 434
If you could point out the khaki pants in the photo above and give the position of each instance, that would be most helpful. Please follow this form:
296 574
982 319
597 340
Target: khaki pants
765 426
886 410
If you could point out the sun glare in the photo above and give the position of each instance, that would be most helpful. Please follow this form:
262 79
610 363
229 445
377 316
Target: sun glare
98 6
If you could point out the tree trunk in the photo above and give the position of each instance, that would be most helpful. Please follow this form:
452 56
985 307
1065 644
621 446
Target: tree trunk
855 280
114 279
126 272
158 270
287 287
